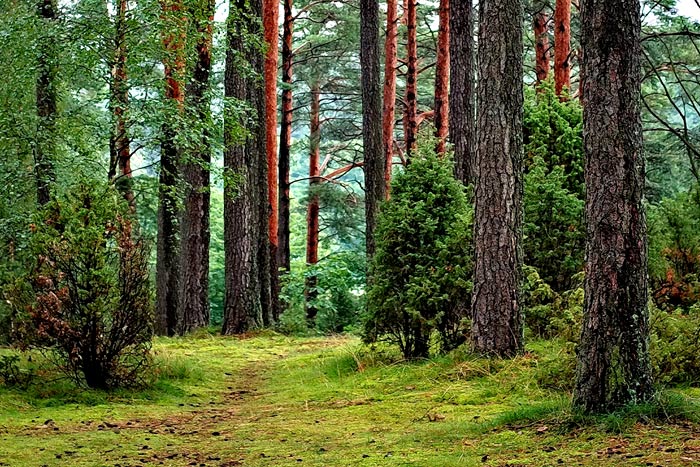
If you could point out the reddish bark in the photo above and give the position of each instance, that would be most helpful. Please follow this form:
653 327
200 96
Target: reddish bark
390 64
562 46
540 21
410 121
271 34
442 77
312 221
283 252
168 247
120 151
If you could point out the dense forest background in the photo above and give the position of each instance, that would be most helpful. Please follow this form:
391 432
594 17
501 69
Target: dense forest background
132 129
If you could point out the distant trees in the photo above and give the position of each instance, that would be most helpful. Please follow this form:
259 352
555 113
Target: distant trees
497 326
613 358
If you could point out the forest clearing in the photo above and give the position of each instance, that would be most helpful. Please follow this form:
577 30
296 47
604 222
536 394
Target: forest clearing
271 400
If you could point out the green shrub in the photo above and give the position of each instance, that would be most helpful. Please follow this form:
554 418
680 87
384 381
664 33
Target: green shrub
553 199
421 270
675 346
86 297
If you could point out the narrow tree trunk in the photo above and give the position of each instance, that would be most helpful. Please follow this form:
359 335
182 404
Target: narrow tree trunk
613 358
540 20
497 327
246 207
194 229
462 88
373 149
562 45
168 244
120 150
312 221
390 65
283 252
411 115
46 96
271 35
442 77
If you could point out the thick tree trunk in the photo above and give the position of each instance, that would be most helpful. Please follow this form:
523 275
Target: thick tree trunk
283 252
411 115
390 65
194 229
246 207
168 245
45 148
562 45
462 89
373 149
312 218
119 144
497 325
442 77
613 358
271 35
540 20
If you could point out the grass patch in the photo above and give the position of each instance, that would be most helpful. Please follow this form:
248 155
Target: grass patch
271 400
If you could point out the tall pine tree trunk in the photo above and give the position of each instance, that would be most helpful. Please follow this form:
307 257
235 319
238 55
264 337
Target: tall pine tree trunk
411 115
168 242
390 66
497 325
373 149
46 97
194 229
562 45
246 207
271 35
539 22
283 252
462 88
119 144
442 77
613 357
312 212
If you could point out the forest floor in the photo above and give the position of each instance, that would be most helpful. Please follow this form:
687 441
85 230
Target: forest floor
278 401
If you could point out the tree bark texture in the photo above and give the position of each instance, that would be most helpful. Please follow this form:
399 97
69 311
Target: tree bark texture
271 35
411 115
462 88
46 97
312 211
246 207
373 149
390 66
194 228
283 251
168 242
562 45
442 77
497 324
613 358
540 21
119 144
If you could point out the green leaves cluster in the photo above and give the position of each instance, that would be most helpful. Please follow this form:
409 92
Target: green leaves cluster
421 272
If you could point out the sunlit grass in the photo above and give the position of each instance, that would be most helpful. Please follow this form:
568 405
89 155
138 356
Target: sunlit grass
271 400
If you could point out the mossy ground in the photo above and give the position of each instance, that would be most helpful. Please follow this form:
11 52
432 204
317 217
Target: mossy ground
278 401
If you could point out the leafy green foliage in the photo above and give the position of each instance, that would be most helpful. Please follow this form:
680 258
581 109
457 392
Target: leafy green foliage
86 297
674 250
340 279
675 346
554 236
421 271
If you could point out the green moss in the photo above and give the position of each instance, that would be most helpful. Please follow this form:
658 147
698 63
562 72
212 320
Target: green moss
271 400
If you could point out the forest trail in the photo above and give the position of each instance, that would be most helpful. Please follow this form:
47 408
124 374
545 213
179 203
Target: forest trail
277 401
